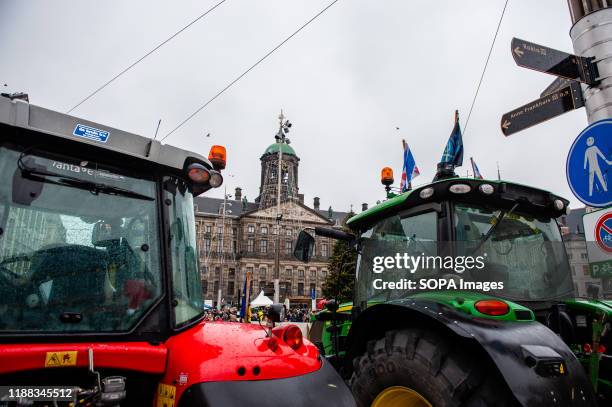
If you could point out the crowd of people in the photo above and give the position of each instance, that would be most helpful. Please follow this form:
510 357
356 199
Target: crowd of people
298 315
224 314
232 314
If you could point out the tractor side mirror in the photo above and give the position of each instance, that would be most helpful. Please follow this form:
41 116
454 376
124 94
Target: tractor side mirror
304 246
27 188
275 313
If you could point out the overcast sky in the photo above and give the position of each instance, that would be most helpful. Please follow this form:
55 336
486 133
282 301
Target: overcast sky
346 81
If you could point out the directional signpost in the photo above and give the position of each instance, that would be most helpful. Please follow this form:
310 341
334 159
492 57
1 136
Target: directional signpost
598 234
542 109
554 62
555 85
561 96
589 165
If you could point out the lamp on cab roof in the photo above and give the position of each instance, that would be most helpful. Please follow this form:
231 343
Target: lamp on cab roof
217 157
386 178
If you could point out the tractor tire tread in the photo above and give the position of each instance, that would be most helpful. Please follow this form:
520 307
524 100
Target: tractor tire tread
450 376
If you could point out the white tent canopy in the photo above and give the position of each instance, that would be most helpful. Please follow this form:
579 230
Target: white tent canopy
261 300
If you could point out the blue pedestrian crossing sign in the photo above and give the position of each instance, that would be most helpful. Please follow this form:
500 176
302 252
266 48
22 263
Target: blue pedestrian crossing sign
589 165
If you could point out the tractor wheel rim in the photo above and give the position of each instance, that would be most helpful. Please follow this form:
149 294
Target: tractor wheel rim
400 396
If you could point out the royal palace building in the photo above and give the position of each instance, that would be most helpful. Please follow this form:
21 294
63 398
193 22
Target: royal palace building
236 236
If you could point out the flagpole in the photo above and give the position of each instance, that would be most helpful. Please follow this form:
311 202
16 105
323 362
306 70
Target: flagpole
408 185
401 188
473 170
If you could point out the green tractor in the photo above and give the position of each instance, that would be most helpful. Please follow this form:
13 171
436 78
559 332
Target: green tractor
464 297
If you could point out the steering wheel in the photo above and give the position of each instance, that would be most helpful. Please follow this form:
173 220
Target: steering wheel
10 290
9 274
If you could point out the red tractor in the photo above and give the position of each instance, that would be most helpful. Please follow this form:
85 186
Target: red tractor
100 292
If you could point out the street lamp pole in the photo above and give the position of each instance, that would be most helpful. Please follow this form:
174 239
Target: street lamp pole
283 129
221 251
279 216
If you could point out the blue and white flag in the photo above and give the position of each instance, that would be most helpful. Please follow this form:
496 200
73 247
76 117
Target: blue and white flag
477 173
453 153
409 169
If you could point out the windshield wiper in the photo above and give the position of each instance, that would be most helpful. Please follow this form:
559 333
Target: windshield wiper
66 180
489 233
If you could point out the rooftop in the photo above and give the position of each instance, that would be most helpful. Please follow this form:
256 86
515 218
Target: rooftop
274 147
214 206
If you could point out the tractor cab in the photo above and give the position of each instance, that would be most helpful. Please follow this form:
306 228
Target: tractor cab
494 237
82 250
100 288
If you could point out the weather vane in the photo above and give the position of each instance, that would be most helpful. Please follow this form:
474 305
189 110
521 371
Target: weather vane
283 129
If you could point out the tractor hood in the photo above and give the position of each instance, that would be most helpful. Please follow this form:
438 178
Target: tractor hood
216 351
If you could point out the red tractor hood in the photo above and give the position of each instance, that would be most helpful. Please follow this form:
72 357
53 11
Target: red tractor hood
206 352
221 351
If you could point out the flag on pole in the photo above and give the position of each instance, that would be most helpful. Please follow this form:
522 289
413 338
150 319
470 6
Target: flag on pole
475 169
245 308
453 153
409 169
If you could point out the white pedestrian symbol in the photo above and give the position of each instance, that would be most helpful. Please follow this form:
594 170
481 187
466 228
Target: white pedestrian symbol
590 158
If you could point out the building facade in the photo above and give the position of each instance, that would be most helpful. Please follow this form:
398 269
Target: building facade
236 236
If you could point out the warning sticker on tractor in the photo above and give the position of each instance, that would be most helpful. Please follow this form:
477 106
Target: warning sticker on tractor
61 359
91 133
165 395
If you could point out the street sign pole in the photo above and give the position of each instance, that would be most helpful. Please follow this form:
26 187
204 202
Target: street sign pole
592 37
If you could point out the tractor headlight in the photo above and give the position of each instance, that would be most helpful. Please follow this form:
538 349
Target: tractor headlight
460 188
559 205
198 173
486 189
216 179
426 193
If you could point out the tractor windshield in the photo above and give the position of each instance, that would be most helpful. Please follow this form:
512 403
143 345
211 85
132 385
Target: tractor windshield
79 248
526 253
502 253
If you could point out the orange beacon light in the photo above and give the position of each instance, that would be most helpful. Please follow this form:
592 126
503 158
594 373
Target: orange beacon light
217 157
386 176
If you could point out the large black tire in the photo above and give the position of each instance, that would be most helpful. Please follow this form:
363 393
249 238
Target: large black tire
446 374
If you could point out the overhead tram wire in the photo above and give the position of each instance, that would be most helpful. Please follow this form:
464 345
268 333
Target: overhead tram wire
146 55
209 101
501 18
